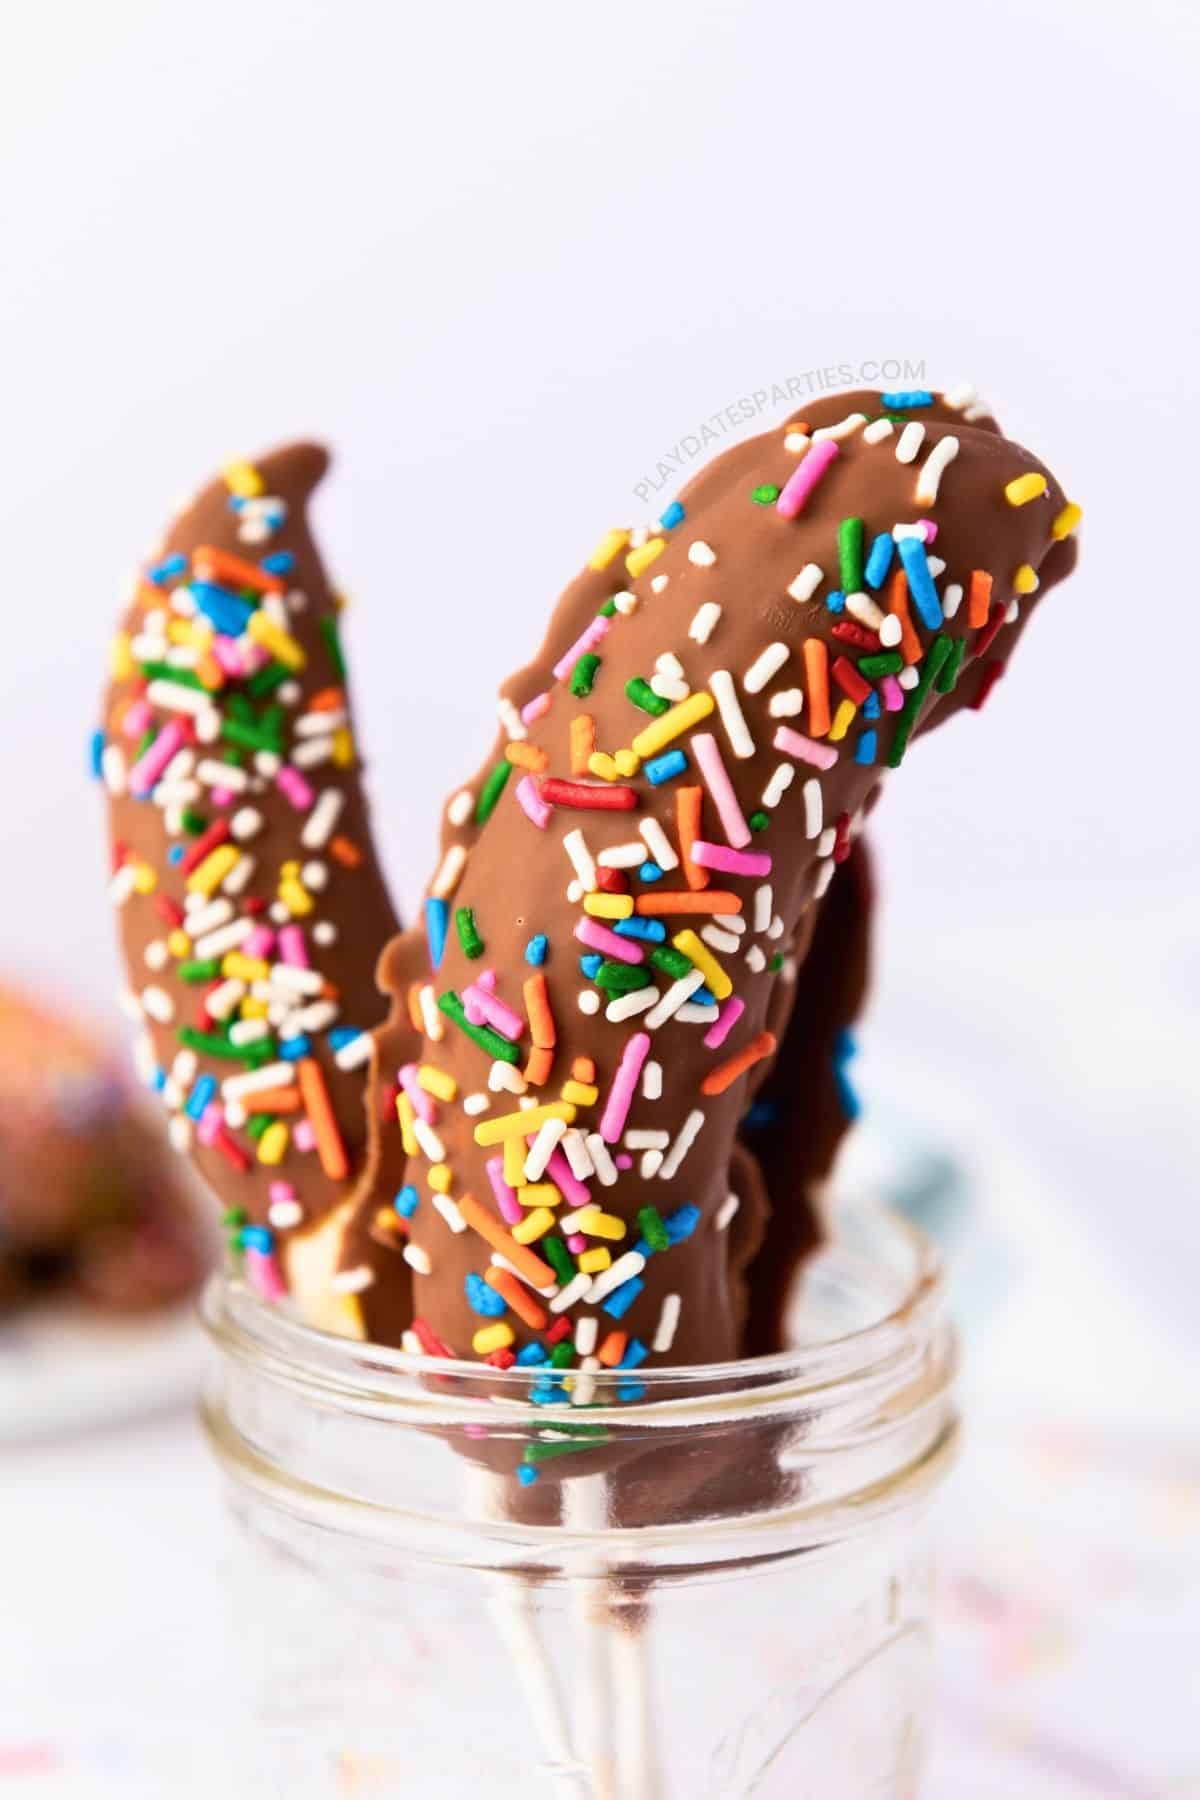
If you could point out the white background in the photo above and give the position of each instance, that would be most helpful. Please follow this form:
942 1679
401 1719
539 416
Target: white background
502 258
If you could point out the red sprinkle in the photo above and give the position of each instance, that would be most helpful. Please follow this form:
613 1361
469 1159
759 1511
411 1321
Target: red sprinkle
612 881
500 1359
208 840
847 632
429 1341
855 686
233 1153
168 910
991 675
557 1331
841 841
608 798
987 636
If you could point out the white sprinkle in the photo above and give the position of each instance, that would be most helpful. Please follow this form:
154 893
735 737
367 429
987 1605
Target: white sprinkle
908 678
624 1269
702 554
410 1343
576 1152
623 856
228 994
935 465
910 441
668 1321
511 719
602 1162
282 1214
673 999
658 843
474 1104
960 396
652 1080
786 704
668 664
732 717
796 441
778 785
762 906
121 885
185 1067
824 876
952 598
756 960
936 565
461 806
979 410
589 1001
319 724
448 1208
765 666
891 631
687 1135
917 529
246 823
158 1004
504 1079
222 775
112 767
826 841
543 1147
627 1006
431 1018
502 1262
814 808
775 929
248 1031
354 1054
574 1290
354 1281
312 752
324 933
318 827
317 1017
578 1220
717 939
582 861
658 583
865 610
179 1133
255 1081
155 955
669 687
1012 612
842 429
806 582
877 430
705 622
733 922
239 876
693 1013
726 1211
650 1164
575 892
586 1330
295 980
224 939
625 603
418 1259
449 872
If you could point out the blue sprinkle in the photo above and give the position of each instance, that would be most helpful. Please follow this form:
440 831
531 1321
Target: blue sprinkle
527 1474
635 1354
484 1299
622 1298
920 582
835 601
844 1050
342 1035
644 1249
158 1079
880 559
545 1393
665 767
902 398
762 1113
436 921
681 1223
650 871
531 1356
257 1237
163 571
674 515
226 612
293 1048
407 1201
631 1390
652 931
536 948
96 753
865 752
702 997
591 964
280 562
200 1096
871 706
175 854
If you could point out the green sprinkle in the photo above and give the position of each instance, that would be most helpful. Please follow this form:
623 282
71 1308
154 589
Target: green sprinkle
850 555
144 742
562 1356
758 821
939 650
608 610
160 671
580 1439
621 978
559 1258
264 681
251 737
208 1043
652 1228
491 791
887 662
583 675
193 822
496 1046
203 969
776 962
328 628
468 933
672 962
766 494
949 675
643 695
232 755
234 1217
239 707
256 1124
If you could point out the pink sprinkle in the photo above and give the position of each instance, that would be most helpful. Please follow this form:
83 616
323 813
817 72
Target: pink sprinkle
210 1126
303 1135
731 862
264 1274
535 709
929 526
623 1161
893 694
259 942
222 796
149 766
292 948
716 779
229 654
727 1018
805 749
139 717
483 1008
280 1193
531 802
804 478
422 1103
577 1243
624 1084
510 1207
291 782
568 1184
598 937
587 640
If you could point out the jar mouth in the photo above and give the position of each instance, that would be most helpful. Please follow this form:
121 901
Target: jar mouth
867 1308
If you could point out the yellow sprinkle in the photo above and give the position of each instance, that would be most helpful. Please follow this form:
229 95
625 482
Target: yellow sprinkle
522 1124
144 879
592 1261
609 547
492 1337
603 765
580 1093
440 1177
120 657
1025 580
245 968
179 943
638 561
274 639
254 1009
295 896
343 748
539 1193
715 978
672 724
404 1112
1024 488
843 718
243 479
273 1143
535 1225
628 763
594 1223
608 906
437 1082
207 876
1067 520
514 1162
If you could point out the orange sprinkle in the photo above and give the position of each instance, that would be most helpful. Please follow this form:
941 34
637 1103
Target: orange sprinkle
416 1017
652 906
330 699
274 1100
319 1111
210 672
527 756
537 1008
910 643
583 742
537 1273
225 566
816 671
979 599
518 1297
612 1349
343 851
688 804
539 1065
726 1073
583 1069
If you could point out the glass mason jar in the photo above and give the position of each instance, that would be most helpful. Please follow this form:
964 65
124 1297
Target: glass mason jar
709 1581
